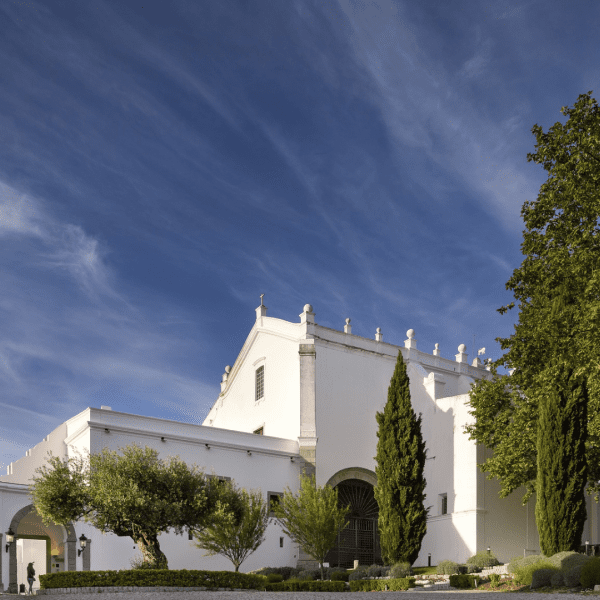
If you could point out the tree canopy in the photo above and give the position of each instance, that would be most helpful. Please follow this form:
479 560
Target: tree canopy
233 537
312 517
132 494
557 288
400 489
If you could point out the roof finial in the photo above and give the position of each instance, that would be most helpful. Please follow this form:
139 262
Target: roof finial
261 299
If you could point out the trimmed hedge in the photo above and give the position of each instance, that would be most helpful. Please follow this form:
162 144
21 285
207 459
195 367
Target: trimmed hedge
305 586
483 560
543 577
447 567
149 578
590 573
380 585
463 582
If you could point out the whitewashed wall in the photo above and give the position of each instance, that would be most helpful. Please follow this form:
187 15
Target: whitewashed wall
272 343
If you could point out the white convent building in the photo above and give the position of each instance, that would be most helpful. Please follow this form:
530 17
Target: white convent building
300 396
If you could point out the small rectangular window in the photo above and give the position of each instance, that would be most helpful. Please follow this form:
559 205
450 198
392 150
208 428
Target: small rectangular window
259 431
190 536
443 504
281 542
274 498
260 383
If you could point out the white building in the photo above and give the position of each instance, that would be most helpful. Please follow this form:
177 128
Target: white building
299 397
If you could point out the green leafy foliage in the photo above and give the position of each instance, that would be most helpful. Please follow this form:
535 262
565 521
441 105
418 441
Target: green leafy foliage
340 576
463 582
519 562
133 494
494 580
401 570
356 574
232 535
306 586
524 572
545 417
285 572
312 517
483 560
380 585
560 509
150 578
400 489
446 567
542 577
590 573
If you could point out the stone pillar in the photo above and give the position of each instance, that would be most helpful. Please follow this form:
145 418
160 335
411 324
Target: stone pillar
71 555
87 556
13 588
308 427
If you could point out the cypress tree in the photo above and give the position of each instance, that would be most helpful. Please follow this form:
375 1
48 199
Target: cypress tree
400 489
560 510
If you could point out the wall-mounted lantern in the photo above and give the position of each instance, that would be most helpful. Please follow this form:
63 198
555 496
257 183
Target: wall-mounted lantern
10 538
82 542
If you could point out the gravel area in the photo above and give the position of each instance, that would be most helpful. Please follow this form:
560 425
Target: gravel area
421 595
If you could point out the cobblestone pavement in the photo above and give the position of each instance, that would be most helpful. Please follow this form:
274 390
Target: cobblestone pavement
441 595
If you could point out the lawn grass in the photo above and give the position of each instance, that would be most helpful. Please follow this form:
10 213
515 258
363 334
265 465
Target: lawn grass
424 570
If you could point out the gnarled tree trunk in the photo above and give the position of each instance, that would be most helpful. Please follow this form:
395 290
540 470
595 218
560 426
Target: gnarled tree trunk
151 552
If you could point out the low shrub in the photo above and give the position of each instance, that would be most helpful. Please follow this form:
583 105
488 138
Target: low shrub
376 571
557 579
285 572
306 576
446 567
473 569
340 576
542 576
463 582
494 580
306 586
524 572
519 562
483 560
573 576
590 573
568 560
274 577
380 585
150 578
360 573
400 570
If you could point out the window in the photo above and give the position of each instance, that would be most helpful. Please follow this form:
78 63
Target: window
443 504
281 542
259 431
260 383
273 498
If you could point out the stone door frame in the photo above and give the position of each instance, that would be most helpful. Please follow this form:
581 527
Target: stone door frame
71 544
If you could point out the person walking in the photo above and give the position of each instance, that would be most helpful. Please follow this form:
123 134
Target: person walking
30 576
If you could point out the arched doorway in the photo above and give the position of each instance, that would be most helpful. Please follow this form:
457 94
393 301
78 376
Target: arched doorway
46 544
360 538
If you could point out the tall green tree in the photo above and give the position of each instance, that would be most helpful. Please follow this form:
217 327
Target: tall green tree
400 489
133 494
312 517
561 463
233 536
553 354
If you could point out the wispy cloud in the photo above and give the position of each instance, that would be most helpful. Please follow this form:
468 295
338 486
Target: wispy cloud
422 108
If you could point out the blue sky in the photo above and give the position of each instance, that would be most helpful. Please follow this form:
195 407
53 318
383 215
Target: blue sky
163 164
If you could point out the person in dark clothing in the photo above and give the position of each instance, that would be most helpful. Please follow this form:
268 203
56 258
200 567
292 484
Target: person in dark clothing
30 576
